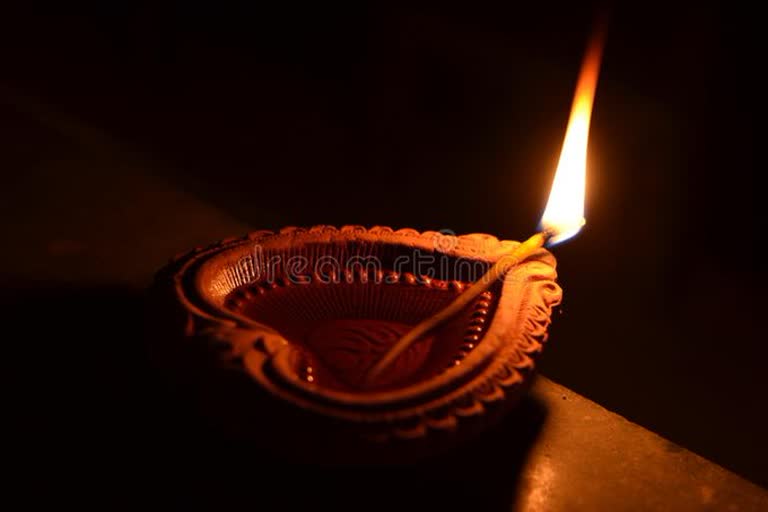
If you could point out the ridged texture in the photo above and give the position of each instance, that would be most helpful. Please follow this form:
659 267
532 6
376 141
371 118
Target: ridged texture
346 326
496 355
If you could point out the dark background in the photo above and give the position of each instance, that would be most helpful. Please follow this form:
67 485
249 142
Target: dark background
452 118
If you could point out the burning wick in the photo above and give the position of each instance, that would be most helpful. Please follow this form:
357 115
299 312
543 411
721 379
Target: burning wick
498 270
563 217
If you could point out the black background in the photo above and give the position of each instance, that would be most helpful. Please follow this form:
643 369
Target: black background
452 118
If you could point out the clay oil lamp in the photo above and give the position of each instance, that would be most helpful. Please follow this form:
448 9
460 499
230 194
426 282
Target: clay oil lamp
369 342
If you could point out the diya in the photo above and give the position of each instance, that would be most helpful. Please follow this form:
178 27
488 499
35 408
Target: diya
361 343
257 332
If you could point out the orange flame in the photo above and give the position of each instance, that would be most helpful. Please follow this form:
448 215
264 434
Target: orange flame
564 214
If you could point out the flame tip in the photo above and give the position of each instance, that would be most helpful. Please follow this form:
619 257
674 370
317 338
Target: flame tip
564 213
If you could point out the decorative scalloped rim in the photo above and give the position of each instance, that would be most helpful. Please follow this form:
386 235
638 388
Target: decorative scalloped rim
508 364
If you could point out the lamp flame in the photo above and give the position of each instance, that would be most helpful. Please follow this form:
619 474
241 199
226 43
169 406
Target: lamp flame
564 214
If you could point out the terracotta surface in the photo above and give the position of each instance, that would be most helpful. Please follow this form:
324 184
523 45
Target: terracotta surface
308 338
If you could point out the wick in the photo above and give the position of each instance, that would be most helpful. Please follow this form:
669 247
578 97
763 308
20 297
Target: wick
500 268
